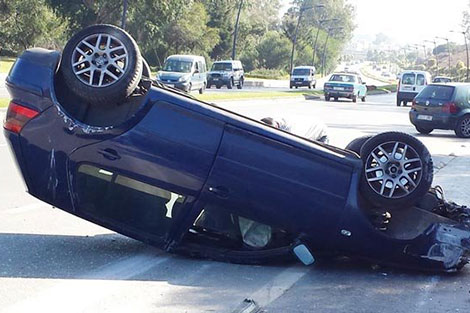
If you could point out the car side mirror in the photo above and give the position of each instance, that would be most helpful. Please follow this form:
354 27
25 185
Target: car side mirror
363 83
196 71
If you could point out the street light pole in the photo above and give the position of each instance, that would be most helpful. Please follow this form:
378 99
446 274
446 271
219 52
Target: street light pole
464 33
324 49
448 49
235 33
316 37
437 59
302 9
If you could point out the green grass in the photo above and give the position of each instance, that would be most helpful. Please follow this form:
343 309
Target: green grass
256 95
5 64
4 102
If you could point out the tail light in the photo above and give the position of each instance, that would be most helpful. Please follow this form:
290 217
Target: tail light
450 107
17 117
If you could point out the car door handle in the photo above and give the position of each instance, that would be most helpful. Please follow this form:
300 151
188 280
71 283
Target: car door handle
220 191
109 154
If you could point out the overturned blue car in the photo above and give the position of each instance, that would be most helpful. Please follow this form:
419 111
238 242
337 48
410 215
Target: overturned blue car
95 136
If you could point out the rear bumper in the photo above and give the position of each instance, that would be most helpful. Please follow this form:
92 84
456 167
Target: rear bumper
439 120
182 86
407 96
339 94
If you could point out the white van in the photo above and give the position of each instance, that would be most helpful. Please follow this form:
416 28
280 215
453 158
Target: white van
185 72
410 83
303 76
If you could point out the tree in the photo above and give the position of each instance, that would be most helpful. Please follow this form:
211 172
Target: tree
29 23
274 51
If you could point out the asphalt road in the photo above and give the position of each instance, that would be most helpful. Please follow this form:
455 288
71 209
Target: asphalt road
51 261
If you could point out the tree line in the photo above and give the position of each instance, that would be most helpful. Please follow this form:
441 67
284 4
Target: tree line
203 27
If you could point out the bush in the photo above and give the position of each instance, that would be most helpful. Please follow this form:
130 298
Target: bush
268 74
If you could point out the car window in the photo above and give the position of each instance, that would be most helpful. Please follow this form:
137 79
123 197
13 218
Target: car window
408 79
222 66
173 65
203 67
420 80
437 92
196 66
343 78
114 196
301 71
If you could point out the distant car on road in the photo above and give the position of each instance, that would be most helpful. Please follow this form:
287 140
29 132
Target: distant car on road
442 106
441 79
229 73
185 72
410 83
303 76
345 85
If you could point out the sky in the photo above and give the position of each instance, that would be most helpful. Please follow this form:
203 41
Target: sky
409 21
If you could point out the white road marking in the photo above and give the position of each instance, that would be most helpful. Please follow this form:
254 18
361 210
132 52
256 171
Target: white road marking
77 294
279 285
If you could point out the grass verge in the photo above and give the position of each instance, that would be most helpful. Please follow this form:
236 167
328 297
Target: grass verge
4 102
5 64
256 95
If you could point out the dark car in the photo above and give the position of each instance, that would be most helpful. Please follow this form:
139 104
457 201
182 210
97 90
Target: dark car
229 73
441 79
152 163
442 106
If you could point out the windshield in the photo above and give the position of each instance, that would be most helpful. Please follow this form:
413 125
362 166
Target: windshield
222 67
437 92
173 65
301 72
343 78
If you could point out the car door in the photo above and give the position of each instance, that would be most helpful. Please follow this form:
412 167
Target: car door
141 182
420 82
277 184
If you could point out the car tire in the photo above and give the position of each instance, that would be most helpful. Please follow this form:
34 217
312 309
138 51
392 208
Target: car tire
230 83
354 98
208 86
310 85
115 72
357 144
296 87
203 88
462 127
218 86
397 171
240 83
423 130
363 99
327 98
314 85
290 86
335 99
405 103
398 102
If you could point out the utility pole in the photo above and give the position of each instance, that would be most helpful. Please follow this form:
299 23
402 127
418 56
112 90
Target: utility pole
321 22
235 34
324 49
124 14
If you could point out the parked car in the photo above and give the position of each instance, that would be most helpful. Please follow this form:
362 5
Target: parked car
441 79
185 72
345 85
410 83
229 73
193 178
303 76
442 106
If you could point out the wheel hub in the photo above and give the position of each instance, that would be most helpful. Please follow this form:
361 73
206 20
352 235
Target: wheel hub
393 169
99 60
